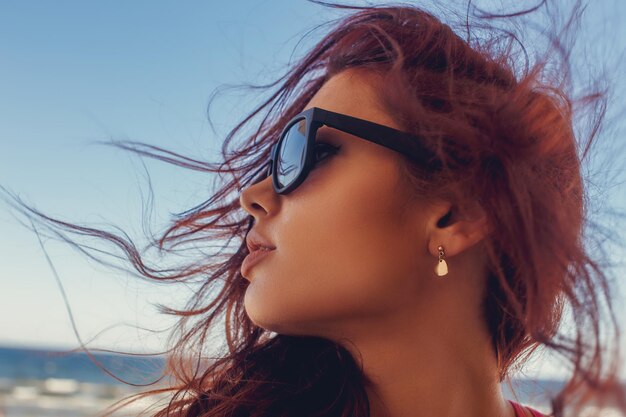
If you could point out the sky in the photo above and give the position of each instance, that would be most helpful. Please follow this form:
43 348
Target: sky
73 73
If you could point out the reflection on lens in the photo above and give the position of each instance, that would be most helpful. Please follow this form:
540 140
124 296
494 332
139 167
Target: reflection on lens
291 154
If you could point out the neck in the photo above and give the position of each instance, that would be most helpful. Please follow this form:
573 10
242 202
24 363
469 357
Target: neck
442 365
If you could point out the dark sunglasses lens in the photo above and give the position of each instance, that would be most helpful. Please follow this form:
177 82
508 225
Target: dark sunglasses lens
291 154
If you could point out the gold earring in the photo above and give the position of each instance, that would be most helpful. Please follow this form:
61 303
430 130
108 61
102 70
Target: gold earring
442 267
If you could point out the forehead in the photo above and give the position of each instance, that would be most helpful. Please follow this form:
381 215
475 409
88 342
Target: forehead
353 92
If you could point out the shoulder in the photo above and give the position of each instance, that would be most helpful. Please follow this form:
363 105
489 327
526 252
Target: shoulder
525 411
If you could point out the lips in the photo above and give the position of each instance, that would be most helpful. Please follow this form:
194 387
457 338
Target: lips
255 241
253 259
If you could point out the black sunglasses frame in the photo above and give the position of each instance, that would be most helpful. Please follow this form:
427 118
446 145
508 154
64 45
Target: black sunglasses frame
315 117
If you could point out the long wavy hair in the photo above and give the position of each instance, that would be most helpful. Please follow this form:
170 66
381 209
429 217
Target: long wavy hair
503 124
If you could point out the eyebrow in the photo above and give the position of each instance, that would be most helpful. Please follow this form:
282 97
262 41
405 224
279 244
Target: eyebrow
327 132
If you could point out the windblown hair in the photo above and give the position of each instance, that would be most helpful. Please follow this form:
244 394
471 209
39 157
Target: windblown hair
502 124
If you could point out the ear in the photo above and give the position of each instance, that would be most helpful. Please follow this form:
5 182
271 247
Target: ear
456 231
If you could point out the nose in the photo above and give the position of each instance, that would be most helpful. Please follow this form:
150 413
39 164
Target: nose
259 198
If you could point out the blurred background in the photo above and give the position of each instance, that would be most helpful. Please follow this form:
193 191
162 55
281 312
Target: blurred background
72 73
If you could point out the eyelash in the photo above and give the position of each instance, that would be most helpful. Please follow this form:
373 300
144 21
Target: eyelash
325 147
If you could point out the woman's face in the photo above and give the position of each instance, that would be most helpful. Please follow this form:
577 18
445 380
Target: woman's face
350 244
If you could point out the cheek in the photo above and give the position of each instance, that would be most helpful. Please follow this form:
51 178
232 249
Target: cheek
341 255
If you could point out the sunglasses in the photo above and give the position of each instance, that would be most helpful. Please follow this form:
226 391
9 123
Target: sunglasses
293 155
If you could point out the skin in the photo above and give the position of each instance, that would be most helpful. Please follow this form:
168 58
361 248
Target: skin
354 263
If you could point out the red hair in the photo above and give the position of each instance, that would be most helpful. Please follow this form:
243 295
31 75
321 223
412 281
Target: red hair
503 128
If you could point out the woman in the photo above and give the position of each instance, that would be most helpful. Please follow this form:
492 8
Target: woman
411 222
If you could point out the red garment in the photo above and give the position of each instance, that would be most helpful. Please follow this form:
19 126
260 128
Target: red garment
520 413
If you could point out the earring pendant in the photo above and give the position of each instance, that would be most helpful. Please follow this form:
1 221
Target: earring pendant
442 267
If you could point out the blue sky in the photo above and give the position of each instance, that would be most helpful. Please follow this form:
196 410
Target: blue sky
75 72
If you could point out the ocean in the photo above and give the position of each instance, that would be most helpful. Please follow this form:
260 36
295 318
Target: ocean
46 383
